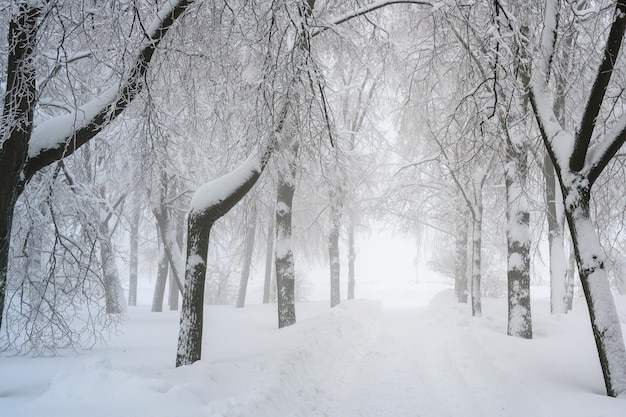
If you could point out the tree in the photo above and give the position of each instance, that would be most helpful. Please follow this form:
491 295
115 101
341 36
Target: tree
28 147
578 163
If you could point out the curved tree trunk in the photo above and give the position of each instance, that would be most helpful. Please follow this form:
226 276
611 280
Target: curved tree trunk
210 202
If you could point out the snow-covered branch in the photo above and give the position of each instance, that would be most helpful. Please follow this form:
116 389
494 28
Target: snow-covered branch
558 142
598 91
601 153
370 8
62 135
219 190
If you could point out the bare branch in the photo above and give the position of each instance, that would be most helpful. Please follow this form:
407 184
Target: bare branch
367 9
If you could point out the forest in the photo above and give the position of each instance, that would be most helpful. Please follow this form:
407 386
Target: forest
312 207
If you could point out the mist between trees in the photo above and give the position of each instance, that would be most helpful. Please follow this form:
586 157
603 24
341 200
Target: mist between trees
134 130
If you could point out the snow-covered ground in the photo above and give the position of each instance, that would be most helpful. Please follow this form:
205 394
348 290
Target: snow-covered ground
407 350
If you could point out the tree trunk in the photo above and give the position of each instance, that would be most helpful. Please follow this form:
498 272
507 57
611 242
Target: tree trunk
190 334
335 266
460 264
285 273
174 289
351 260
134 255
518 244
17 124
333 248
247 259
269 258
556 237
161 281
210 202
571 276
605 321
114 295
476 253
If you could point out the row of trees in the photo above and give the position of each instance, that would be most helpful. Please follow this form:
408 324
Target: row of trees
453 93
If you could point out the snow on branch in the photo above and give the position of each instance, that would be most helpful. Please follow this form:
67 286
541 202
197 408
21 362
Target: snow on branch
598 91
558 142
60 136
599 155
370 8
224 192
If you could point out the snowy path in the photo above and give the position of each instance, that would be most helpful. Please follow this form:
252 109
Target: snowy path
405 372
411 365
416 353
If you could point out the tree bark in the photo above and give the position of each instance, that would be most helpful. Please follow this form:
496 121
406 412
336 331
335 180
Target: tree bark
17 125
16 165
209 203
190 334
285 272
476 251
605 321
460 264
556 237
518 244
114 297
333 248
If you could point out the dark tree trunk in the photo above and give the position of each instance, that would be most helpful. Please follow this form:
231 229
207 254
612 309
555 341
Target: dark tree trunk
19 103
206 210
17 125
190 336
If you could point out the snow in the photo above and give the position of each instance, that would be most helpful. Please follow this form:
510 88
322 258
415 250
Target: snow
368 357
157 23
53 133
211 193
